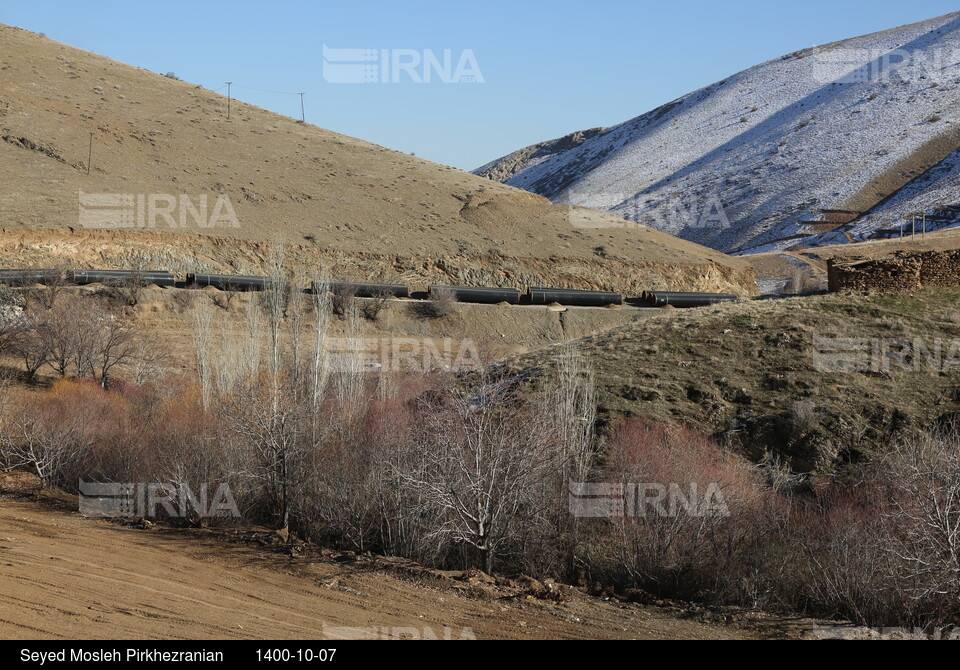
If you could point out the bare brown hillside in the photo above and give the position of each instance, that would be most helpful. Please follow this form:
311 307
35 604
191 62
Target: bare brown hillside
370 211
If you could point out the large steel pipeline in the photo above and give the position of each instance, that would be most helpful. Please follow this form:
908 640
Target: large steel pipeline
39 276
681 299
158 277
646 295
365 289
230 282
573 297
487 295
480 294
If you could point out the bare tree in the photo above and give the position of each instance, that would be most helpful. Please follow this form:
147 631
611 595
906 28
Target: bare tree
344 298
374 305
33 351
320 364
14 325
130 288
248 355
272 423
266 406
296 317
349 374
203 347
54 281
44 444
18 334
64 332
572 405
482 463
114 345
924 473
274 301
150 360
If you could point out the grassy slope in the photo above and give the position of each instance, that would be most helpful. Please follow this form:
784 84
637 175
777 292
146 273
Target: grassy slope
741 370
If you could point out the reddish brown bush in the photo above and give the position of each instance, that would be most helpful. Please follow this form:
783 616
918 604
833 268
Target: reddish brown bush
695 516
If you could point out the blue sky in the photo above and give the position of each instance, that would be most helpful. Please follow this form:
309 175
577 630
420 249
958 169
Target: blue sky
549 68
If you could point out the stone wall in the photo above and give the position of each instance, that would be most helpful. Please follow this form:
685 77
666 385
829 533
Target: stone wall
903 272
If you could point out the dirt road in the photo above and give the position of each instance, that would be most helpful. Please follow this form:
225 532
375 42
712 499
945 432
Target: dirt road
63 576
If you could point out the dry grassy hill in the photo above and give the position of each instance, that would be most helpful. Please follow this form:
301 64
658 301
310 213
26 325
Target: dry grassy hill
367 211
748 372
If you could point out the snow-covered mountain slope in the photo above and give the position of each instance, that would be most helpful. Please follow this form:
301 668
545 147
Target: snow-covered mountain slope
930 202
866 125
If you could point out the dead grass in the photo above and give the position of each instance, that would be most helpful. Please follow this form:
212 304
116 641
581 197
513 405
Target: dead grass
741 371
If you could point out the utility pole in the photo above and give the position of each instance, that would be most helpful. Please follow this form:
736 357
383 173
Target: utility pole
89 154
303 116
914 219
229 83
923 235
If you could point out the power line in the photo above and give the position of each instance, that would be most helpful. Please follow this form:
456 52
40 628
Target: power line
303 113
266 90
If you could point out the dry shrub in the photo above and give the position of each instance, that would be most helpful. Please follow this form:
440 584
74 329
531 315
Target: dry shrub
881 548
803 419
841 567
698 520
921 479
442 304
62 434
373 305
343 300
79 431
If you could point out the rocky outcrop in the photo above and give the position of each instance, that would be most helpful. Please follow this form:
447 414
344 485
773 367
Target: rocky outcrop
503 168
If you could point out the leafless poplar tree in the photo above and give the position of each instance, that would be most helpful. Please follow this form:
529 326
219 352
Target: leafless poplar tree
203 347
572 404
